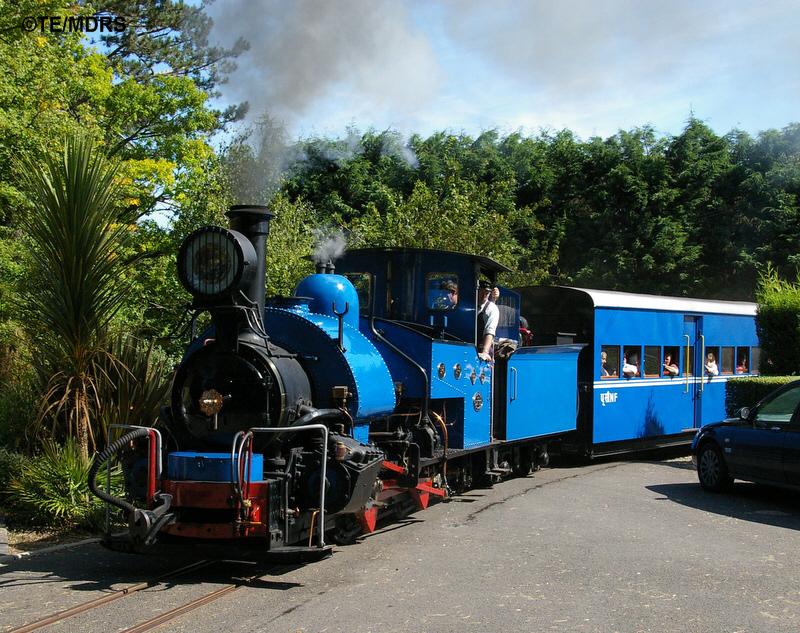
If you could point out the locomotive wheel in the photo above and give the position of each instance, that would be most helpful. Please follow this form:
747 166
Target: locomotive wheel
522 463
347 531
711 469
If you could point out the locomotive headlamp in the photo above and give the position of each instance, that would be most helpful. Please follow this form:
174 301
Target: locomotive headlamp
214 261
211 402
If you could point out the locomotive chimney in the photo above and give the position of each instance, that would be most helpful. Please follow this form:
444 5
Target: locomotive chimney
325 268
252 221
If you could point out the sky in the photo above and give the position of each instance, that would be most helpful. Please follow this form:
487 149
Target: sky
467 66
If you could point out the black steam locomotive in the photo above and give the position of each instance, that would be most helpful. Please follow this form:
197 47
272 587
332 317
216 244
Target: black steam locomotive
298 421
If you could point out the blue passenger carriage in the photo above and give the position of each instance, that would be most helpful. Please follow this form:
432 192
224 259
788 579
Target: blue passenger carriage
643 375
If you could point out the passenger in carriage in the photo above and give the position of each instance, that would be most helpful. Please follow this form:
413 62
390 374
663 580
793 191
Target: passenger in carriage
711 365
670 368
629 370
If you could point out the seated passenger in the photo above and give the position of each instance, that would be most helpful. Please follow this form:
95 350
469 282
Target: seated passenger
632 369
711 365
670 368
741 368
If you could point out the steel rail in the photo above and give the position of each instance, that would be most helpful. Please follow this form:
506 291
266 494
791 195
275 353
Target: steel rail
116 595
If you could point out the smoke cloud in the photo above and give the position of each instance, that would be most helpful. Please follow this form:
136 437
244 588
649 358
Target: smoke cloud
430 65
329 245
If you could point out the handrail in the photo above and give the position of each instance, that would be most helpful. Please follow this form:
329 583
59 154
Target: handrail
686 362
703 360
155 452
514 384
323 479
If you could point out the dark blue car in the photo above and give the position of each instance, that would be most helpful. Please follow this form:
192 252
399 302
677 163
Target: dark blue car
761 445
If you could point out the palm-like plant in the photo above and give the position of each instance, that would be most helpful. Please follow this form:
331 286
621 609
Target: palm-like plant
77 235
136 380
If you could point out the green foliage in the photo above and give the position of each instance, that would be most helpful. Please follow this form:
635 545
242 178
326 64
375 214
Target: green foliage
164 37
52 489
289 244
77 236
747 392
19 410
135 381
778 325
37 105
12 465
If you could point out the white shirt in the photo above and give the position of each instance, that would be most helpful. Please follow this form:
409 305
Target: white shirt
492 317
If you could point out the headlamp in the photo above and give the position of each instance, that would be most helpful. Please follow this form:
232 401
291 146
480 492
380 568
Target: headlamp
214 261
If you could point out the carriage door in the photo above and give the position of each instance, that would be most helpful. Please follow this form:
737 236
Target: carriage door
693 365
690 357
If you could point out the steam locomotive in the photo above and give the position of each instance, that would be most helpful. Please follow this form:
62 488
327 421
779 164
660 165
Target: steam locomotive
297 422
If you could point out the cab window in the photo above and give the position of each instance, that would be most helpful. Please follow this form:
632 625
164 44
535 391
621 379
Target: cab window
442 291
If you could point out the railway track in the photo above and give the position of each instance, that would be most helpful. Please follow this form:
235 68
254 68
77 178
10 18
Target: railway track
156 621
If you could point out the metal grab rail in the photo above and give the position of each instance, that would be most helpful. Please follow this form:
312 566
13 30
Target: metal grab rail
236 457
703 360
686 364
155 455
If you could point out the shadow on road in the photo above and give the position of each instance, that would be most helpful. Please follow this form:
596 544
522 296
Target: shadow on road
746 501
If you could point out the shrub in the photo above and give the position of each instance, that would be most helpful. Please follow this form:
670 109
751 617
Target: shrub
746 392
19 407
11 467
778 325
53 489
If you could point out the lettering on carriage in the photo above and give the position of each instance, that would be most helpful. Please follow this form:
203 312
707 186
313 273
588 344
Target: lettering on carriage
608 397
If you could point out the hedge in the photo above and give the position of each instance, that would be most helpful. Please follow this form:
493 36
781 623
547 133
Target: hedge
746 392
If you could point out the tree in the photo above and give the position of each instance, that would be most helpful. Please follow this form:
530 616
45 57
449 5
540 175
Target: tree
77 236
165 38
778 325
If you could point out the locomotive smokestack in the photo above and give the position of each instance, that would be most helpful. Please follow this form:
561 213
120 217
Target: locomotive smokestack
325 268
253 220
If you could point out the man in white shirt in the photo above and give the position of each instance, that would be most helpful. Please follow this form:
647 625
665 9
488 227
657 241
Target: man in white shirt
488 316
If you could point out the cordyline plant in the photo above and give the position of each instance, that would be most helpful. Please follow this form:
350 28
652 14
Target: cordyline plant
77 233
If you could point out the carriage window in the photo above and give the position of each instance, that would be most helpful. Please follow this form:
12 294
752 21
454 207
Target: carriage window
755 360
361 282
711 361
442 291
726 360
652 360
672 360
743 360
631 361
609 361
